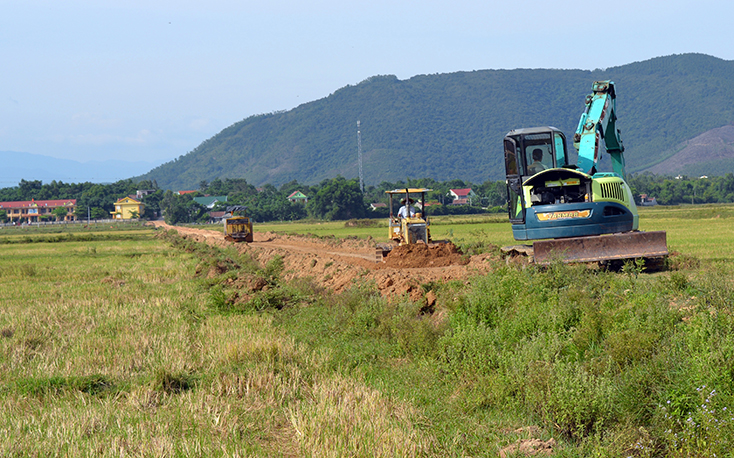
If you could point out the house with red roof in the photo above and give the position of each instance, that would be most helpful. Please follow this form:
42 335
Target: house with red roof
462 196
298 196
647 201
32 211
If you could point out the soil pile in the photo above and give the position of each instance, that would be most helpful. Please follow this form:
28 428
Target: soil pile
422 255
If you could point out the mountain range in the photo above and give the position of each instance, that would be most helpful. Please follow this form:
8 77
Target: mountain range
676 115
18 166
448 126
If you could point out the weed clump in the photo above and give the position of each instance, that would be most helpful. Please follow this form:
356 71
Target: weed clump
170 383
96 385
363 223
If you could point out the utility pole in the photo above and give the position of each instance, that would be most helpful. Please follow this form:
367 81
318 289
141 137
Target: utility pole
359 157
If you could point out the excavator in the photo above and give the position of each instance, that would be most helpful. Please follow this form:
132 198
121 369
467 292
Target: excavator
573 212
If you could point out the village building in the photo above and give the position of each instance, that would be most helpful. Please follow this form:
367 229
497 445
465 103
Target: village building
462 196
298 196
143 192
647 201
210 201
33 211
128 208
216 217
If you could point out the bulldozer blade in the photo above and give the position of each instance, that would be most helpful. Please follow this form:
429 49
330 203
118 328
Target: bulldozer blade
609 247
382 250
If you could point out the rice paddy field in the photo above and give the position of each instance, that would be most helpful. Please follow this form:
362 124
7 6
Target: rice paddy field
125 341
704 231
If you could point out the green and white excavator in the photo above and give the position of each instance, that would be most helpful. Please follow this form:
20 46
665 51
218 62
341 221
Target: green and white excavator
573 212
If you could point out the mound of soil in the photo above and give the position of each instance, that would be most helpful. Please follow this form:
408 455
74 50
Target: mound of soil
422 255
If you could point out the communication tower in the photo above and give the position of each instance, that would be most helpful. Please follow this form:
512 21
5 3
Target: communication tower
359 158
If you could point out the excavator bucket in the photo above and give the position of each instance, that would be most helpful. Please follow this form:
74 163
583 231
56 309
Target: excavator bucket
609 247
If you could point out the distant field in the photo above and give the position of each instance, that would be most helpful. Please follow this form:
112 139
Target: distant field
9 234
704 231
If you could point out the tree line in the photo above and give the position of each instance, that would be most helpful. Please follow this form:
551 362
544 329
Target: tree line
684 190
332 199
341 199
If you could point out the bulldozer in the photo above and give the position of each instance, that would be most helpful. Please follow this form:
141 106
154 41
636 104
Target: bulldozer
573 212
408 225
237 225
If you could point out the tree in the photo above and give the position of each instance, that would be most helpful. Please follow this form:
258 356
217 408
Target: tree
492 193
180 209
152 205
337 199
99 213
60 213
3 216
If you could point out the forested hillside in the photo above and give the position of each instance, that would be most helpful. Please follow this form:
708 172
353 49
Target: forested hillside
450 126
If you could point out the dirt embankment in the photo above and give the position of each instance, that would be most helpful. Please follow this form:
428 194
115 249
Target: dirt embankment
422 255
339 264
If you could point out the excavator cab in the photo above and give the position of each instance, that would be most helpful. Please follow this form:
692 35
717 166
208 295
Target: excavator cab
527 153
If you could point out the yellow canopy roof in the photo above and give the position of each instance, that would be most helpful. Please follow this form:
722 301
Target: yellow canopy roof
409 191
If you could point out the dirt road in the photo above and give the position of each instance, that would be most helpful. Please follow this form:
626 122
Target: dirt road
338 264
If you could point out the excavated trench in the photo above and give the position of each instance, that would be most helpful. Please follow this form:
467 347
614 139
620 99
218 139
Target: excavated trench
339 264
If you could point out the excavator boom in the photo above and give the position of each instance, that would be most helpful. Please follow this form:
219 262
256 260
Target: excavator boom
598 128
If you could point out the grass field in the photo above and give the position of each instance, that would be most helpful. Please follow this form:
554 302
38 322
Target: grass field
113 348
122 343
703 231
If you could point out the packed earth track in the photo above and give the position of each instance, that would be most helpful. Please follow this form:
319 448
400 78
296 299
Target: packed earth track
339 264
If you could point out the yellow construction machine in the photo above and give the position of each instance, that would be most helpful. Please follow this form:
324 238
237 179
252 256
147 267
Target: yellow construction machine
407 225
237 225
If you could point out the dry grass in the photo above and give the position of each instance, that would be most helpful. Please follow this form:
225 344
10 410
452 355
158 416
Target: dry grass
344 418
110 350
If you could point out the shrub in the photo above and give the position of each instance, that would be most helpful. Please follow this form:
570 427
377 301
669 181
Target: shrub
705 430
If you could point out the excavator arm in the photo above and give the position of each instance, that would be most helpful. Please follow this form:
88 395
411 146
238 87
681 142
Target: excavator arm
597 128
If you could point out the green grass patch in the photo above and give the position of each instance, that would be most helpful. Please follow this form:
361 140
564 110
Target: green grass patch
594 358
694 232
158 345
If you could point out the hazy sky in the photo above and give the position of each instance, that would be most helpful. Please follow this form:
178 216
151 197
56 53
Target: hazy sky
151 79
